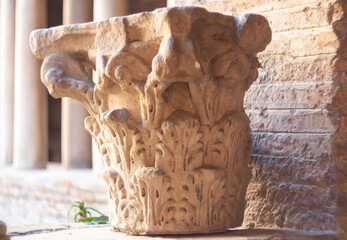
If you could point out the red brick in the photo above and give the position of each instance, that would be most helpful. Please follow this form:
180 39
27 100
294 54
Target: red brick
340 27
340 65
343 124
340 97
339 103
340 144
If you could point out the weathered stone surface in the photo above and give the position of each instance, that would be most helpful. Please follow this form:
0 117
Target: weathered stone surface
166 111
283 170
339 102
298 145
287 69
339 141
104 232
340 145
311 16
302 121
290 96
285 192
314 41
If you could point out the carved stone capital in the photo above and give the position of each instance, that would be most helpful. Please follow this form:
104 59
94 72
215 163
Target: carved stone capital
166 111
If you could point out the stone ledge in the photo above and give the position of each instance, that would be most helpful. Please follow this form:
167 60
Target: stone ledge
105 232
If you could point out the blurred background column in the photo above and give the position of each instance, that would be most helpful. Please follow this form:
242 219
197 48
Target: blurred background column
170 3
7 41
75 140
104 9
30 106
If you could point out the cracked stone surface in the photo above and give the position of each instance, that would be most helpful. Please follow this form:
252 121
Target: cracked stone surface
106 232
166 111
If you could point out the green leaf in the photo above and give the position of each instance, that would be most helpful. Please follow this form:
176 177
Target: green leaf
84 215
94 220
93 209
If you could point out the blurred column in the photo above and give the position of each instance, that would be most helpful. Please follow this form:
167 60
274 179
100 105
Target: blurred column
76 143
0 42
7 14
170 3
30 106
104 9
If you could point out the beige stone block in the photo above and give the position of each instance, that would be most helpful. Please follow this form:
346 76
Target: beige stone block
290 96
310 42
166 111
299 145
297 121
287 69
317 15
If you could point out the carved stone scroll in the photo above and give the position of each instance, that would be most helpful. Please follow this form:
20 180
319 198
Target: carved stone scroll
166 111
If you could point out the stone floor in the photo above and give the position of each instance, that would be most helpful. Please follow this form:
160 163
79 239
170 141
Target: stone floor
105 232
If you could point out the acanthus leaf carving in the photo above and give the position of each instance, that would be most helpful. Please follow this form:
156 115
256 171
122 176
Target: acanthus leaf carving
166 111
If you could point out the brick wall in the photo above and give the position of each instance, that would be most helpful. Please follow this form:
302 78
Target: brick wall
44 196
339 105
298 110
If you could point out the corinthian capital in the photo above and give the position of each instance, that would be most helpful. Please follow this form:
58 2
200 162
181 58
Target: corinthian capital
166 111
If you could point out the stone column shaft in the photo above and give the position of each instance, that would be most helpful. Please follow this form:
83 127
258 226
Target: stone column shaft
104 9
30 107
109 8
170 3
8 10
76 142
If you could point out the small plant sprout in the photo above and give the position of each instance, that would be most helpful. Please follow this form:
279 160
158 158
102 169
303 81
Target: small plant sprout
84 215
